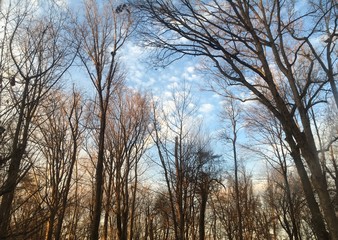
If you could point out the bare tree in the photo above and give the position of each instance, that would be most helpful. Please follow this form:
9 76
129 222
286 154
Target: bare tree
127 135
270 132
283 194
286 200
251 45
255 223
174 139
188 164
207 175
101 33
38 56
59 140
232 113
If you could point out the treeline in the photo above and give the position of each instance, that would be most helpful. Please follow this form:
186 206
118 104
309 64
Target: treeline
73 166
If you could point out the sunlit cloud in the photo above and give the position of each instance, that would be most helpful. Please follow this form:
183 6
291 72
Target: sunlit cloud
173 85
206 108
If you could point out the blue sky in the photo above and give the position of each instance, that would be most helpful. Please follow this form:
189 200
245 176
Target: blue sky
160 81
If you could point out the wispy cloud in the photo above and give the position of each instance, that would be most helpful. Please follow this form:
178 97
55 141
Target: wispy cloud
206 108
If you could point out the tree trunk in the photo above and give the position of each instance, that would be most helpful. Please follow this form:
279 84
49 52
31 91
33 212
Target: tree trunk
295 230
319 182
203 206
99 180
61 215
318 223
238 203
50 225
7 198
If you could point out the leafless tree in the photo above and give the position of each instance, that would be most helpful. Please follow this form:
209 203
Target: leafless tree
127 139
269 132
207 178
59 140
286 200
254 47
188 164
255 222
173 140
232 113
101 33
38 54
283 194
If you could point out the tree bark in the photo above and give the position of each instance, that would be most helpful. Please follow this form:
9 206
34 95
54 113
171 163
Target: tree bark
94 235
7 198
318 223
18 150
203 207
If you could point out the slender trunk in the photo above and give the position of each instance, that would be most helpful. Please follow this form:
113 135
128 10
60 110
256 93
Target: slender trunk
316 215
118 199
335 169
179 192
203 206
74 218
107 208
50 225
151 229
238 205
291 206
94 235
125 212
18 150
7 198
105 224
133 205
58 230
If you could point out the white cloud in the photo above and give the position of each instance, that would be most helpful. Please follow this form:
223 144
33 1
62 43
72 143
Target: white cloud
174 79
189 73
191 106
167 94
206 108
174 85
190 69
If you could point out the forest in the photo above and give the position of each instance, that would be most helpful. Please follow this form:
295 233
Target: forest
125 163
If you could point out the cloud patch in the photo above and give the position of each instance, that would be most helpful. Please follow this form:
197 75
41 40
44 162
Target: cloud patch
206 108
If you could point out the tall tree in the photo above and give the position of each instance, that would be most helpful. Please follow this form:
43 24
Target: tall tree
59 140
251 45
38 54
269 131
188 164
283 193
232 113
101 33
207 176
127 135
174 139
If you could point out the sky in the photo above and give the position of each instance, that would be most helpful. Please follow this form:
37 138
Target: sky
160 81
